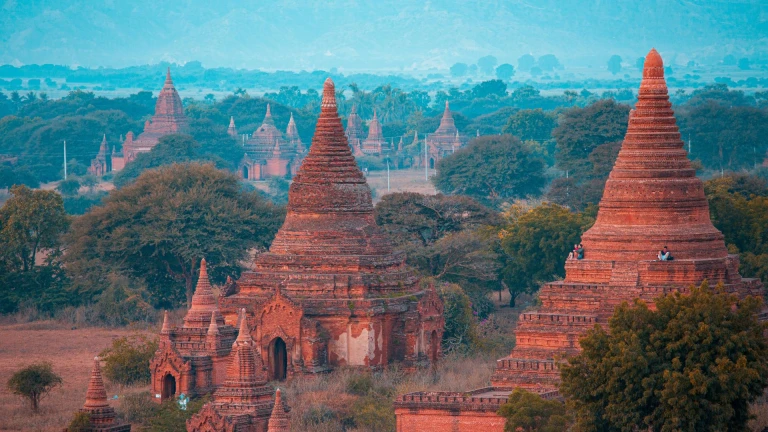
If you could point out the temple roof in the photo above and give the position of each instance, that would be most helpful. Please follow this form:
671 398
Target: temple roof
278 421
267 134
447 126
354 125
245 368
292 132
96 395
652 197
203 302
374 130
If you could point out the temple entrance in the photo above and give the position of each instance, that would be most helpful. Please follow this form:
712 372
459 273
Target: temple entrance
169 387
434 354
278 360
245 172
431 163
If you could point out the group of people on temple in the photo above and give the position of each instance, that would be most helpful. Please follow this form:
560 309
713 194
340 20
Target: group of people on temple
578 253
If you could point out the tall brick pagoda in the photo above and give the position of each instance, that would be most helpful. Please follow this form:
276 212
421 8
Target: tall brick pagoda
270 153
193 357
243 402
232 129
374 144
278 420
444 141
652 199
169 119
102 416
354 132
331 290
102 163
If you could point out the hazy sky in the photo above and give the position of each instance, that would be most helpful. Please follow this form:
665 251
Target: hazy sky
374 35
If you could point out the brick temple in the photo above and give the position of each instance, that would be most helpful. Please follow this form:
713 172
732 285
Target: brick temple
354 132
269 152
652 199
444 141
243 402
102 416
169 119
102 163
374 143
332 290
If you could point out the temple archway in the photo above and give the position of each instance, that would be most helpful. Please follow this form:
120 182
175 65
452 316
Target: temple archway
278 359
169 387
434 343
245 172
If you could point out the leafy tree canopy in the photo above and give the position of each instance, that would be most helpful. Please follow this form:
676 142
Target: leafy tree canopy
694 363
533 124
158 228
491 169
529 412
34 382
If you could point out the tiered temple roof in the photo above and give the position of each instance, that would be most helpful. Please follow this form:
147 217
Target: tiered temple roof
354 132
279 421
329 240
102 163
243 403
102 416
269 153
332 290
652 199
232 129
445 140
375 142
169 119
292 134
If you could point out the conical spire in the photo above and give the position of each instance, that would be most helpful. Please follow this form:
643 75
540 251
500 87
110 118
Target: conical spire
268 117
292 132
213 329
245 370
329 179
168 80
278 421
166 324
232 129
652 197
96 395
203 302
447 126
103 147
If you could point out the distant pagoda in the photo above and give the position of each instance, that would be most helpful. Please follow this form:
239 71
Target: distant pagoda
102 417
444 141
270 153
169 119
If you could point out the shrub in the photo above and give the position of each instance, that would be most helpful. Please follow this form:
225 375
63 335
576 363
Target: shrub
374 413
170 418
528 412
460 324
127 361
138 408
34 382
360 384
80 421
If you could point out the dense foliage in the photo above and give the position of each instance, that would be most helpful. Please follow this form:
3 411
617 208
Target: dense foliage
492 169
127 360
158 228
34 382
696 362
528 412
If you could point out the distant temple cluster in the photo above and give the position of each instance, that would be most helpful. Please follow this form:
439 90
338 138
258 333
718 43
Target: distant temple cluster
652 199
269 152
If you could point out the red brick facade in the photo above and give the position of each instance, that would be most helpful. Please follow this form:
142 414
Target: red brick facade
444 141
270 153
102 416
169 119
652 199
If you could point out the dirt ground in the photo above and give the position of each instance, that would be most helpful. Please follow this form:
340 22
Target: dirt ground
406 180
70 351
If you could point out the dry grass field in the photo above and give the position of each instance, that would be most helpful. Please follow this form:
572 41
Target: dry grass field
70 351
406 180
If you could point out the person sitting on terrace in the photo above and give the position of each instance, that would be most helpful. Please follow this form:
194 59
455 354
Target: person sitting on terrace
573 254
664 255
579 251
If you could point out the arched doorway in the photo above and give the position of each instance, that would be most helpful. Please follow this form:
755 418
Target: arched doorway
245 172
169 387
434 352
278 359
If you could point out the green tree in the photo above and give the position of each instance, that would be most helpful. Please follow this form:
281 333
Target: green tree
127 360
170 149
30 221
487 64
459 69
533 124
34 382
694 363
505 71
159 227
581 130
526 62
529 412
491 169
489 88
614 64
536 242
460 332
69 187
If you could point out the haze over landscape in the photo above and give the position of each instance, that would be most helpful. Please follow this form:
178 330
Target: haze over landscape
389 216
384 35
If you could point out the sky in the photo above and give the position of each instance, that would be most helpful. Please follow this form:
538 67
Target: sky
381 35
